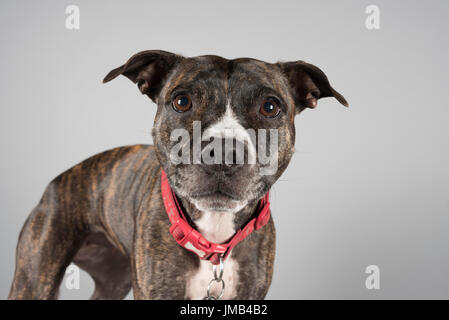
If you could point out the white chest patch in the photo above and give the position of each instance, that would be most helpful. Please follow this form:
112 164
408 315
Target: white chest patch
217 227
197 282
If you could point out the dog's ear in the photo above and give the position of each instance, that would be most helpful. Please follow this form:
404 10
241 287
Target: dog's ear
148 69
308 84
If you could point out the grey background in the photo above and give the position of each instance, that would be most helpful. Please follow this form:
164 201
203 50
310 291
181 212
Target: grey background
368 184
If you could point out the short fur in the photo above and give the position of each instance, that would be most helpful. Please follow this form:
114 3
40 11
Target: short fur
107 216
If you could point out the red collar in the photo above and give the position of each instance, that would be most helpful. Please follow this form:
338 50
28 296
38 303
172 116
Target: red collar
192 240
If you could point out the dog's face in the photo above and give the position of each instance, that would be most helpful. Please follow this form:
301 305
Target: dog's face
224 129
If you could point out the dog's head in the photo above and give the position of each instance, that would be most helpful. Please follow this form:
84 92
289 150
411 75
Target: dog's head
224 129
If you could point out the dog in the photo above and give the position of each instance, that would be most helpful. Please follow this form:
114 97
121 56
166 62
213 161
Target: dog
110 216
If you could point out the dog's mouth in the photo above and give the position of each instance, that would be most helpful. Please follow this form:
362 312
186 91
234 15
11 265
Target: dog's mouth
218 188
218 200
219 193
214 192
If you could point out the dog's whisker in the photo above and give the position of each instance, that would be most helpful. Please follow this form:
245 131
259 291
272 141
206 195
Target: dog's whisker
289 180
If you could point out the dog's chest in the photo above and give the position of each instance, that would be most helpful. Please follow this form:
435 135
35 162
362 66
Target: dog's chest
218 228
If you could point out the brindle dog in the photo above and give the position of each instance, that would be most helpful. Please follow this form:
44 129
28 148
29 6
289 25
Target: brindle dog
107 216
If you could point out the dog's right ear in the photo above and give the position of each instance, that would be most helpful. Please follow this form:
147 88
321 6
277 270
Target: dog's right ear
148 69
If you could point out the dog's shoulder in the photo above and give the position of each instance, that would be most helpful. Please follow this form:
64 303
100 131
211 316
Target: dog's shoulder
116 160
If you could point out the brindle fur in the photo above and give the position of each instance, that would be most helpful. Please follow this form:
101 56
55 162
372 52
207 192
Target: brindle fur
106 214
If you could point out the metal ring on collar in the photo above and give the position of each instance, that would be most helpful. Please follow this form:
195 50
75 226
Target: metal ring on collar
211 297
220 276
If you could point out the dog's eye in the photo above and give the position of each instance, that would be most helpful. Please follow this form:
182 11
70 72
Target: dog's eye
270 108
182 103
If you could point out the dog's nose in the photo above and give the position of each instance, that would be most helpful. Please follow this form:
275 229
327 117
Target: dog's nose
232 157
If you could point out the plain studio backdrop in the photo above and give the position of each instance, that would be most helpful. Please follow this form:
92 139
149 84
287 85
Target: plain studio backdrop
368 185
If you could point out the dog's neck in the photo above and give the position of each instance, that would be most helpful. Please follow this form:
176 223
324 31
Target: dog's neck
218 226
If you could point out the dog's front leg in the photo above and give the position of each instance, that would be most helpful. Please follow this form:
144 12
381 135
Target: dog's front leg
159 264
48 241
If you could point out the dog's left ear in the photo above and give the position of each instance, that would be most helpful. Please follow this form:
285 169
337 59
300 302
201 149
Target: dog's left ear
148 69
308 84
